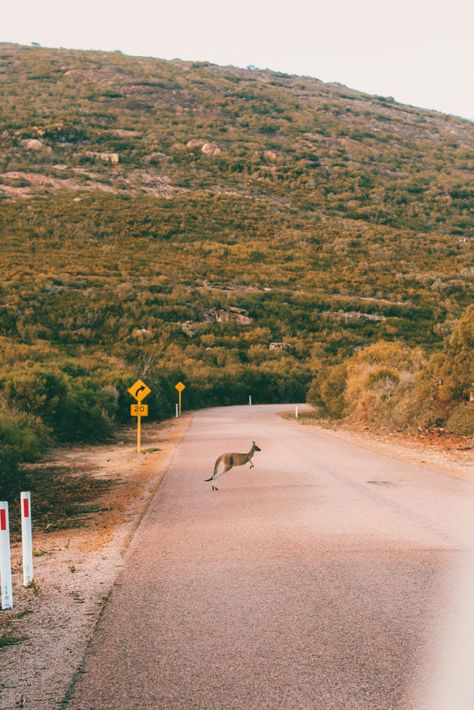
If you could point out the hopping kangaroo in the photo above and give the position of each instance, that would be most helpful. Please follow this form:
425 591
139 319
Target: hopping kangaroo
231 460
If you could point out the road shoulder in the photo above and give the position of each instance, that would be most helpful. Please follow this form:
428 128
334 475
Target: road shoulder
75 570
452 456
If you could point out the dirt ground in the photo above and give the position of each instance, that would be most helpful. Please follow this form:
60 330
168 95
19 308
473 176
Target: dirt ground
452 455
42 640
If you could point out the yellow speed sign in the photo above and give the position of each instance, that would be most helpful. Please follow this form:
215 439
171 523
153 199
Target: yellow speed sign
139 410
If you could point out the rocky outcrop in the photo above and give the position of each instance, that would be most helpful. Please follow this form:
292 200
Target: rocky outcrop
285 347
35 144
206 147
271 155
210 149
105 157
224 315
141 333
353 315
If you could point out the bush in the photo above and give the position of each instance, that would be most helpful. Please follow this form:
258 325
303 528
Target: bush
389 385
461 420
327 391
11 477
22 438
73 408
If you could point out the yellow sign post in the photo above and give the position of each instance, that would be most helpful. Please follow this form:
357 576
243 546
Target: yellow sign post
139 390
180 387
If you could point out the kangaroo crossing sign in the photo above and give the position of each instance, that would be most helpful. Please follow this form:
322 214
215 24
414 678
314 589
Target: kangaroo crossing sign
139 390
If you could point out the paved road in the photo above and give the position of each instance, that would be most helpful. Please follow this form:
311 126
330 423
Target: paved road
310 581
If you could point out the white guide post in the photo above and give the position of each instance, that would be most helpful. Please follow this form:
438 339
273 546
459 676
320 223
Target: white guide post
250 399
177 410
5 561
296 412
26 538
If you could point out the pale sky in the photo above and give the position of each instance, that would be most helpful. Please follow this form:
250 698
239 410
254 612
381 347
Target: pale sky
420 52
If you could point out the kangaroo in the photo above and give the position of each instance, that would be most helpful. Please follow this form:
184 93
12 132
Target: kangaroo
231 460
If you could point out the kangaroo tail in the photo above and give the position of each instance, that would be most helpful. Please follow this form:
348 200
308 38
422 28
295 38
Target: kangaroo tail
208 479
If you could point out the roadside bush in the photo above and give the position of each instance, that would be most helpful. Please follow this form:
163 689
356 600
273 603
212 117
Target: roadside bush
461 420
22 438
73 408
11 477
327 391
454 368
379 378
389 385
443 390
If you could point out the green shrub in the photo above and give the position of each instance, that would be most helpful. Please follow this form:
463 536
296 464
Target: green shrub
327 391
11 477
461 420
22 436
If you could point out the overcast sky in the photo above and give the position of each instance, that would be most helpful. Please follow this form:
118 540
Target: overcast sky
418 51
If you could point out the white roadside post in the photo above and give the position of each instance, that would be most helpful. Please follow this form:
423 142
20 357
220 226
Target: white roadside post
296 412
5 561
26 538
177 410
250 399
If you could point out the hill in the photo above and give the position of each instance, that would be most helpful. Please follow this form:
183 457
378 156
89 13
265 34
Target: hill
236 229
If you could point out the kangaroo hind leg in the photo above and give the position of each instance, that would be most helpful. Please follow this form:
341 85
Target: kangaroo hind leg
227 468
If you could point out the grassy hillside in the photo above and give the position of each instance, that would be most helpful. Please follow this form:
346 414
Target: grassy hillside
236 229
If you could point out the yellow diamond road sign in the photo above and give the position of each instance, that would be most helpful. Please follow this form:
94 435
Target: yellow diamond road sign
180 387
139 390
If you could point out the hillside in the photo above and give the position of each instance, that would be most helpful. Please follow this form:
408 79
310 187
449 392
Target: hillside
231 228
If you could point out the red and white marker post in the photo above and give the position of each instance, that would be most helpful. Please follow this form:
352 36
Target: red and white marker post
5 561
26 538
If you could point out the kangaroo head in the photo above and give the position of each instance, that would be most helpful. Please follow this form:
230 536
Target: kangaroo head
256 448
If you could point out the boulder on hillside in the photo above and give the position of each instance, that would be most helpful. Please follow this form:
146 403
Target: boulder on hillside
141 333
352 315
35 144
207 147
105 157
285 347
221 315
271 155
211 149
189 327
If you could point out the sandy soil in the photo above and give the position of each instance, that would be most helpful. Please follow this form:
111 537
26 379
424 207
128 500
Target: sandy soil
453 456
75 569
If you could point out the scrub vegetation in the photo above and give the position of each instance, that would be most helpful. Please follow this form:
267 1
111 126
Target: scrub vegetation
244 231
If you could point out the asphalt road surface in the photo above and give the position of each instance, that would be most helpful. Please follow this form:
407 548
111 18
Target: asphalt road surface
313 580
